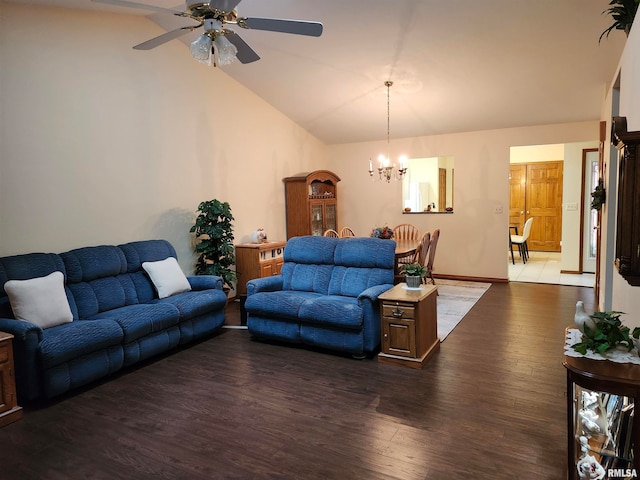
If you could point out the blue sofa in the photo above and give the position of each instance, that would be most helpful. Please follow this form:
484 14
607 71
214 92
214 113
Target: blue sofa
118 319
326 296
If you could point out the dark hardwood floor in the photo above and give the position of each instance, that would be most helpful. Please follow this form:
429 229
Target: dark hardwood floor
490 405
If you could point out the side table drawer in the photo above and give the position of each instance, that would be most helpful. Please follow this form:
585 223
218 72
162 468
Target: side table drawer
398 310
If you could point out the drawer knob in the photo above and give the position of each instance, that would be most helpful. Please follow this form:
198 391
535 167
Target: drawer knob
397 313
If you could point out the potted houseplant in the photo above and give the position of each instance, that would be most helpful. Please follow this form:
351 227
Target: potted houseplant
413 274
623 12
608 333
598 196
214 233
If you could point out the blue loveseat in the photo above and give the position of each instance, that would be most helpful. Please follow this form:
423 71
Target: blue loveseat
117 318
326 296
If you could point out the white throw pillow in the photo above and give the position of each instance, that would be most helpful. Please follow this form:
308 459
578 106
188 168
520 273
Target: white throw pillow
167 277
40 300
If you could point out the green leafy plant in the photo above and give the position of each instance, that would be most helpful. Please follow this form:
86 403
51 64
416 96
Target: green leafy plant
607 334
214 232
623 12
598 196
414 270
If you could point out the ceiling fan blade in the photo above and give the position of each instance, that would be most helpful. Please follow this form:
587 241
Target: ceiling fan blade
164 38
298 27
124 3
245 54
224 5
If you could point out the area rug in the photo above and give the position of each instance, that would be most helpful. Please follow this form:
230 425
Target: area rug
455 299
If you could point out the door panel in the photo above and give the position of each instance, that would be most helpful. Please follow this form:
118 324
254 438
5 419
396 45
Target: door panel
544 204
517 188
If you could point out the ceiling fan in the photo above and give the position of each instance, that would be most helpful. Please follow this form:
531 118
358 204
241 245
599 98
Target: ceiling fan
219 41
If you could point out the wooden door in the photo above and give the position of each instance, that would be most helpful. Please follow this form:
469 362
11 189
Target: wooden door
517 195
544 203
442 189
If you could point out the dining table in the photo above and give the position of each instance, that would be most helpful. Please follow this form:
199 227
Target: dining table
405 250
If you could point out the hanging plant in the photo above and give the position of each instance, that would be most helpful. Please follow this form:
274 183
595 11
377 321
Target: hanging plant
598 196
623 12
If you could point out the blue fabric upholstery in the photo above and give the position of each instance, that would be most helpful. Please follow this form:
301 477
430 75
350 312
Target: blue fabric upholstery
327 294
118 319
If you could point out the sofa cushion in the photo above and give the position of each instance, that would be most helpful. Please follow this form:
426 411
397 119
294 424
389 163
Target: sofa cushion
88 263
72 340
96 276
361 263
280 304
306 278
339 311
193 304
167 277
308 263
136 253
40 300
23 267
140 320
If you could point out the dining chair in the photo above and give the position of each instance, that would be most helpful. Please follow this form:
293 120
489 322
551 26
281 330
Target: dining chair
432 255
403 232
406 231
346 232
331 233
423 249
521 241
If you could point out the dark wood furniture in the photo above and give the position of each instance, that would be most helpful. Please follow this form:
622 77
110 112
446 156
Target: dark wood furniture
617 389
311 202
409 326
9 409
258 260
628 224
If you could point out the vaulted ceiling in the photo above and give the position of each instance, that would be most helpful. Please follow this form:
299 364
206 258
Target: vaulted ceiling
457 65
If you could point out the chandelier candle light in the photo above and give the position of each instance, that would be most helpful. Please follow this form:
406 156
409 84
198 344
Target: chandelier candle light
385 167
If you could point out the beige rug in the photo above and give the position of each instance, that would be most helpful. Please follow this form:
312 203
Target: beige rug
455 299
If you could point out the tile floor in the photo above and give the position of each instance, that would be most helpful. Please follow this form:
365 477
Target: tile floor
544 267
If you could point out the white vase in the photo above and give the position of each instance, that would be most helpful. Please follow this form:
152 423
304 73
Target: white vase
582 318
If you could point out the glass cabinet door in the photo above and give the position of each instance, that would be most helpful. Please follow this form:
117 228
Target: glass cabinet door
317 219
603 433
330 214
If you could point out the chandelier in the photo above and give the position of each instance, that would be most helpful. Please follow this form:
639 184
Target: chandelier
385 167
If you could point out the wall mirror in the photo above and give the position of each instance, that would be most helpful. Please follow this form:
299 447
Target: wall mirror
427 187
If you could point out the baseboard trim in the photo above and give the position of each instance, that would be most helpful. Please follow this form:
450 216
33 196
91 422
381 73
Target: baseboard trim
572 272
464 278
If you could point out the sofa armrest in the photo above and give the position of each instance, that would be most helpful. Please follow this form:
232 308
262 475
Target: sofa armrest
21 330
372 293
265 284
26 341
205 282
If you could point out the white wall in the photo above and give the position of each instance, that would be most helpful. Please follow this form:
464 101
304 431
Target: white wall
102 144
624 297
474 239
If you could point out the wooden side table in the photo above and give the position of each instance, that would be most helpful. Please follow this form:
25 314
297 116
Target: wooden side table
409 325
9 409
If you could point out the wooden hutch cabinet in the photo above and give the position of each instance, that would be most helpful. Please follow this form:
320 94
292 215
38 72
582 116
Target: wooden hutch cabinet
628 225
312 203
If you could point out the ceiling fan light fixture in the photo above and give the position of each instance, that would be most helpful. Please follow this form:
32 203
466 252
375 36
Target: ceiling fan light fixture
201 49
225 51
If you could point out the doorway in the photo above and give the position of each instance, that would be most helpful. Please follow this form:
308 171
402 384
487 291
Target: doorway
535 191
